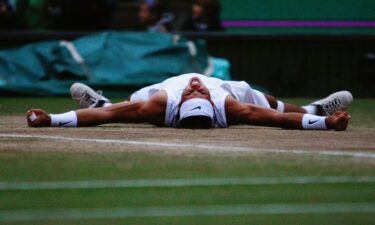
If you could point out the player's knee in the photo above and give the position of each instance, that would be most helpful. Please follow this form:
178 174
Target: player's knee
272 101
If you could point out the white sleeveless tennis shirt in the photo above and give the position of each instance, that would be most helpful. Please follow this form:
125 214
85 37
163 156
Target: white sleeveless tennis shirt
219 90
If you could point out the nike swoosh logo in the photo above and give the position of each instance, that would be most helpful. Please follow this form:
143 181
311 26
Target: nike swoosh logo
61 124
198 107
312 121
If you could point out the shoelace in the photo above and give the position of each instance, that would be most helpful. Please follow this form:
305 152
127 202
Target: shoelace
93 102
332 104
88 98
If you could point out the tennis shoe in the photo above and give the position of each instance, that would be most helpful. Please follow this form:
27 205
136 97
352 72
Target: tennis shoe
338 101
86 97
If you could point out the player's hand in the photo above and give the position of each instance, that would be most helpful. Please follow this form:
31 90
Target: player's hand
38 118
338 121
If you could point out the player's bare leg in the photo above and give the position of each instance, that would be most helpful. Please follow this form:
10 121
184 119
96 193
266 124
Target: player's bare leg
287 107
338 101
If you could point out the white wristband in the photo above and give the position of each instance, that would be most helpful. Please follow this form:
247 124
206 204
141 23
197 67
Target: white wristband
68 119
312 122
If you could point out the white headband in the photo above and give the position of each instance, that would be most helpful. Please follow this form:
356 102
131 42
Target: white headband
196 107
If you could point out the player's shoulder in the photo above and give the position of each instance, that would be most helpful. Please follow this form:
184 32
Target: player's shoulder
233 106
231 101
160 95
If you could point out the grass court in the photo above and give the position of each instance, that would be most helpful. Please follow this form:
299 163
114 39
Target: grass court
141 174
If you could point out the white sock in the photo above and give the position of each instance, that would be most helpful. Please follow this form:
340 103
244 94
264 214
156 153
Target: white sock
68 119
280 106
311 109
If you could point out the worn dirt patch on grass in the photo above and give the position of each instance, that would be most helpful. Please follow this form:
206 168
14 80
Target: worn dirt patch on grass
243 136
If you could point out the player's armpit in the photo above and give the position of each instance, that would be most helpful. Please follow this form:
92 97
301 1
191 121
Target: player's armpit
235 111
153 111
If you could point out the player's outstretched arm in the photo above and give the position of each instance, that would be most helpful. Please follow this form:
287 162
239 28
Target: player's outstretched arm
152 111
255 115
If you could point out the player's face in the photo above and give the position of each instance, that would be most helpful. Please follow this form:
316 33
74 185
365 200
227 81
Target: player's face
197 11
144 13
195 89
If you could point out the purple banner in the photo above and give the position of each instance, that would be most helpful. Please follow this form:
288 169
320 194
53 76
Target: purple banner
296 23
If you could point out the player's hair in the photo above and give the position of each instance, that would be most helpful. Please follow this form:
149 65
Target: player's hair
196 122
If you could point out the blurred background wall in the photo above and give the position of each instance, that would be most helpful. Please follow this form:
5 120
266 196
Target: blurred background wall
292 47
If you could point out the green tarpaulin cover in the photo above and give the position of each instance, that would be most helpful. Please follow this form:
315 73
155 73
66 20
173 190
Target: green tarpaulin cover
115 61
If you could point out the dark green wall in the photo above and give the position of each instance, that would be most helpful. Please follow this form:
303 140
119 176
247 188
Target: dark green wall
298 9
301 65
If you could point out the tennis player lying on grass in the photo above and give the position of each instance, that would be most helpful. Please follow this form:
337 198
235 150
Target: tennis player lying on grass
196 101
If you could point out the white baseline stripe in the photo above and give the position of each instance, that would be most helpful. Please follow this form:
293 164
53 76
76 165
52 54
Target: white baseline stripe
176 211
143 183
200 146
